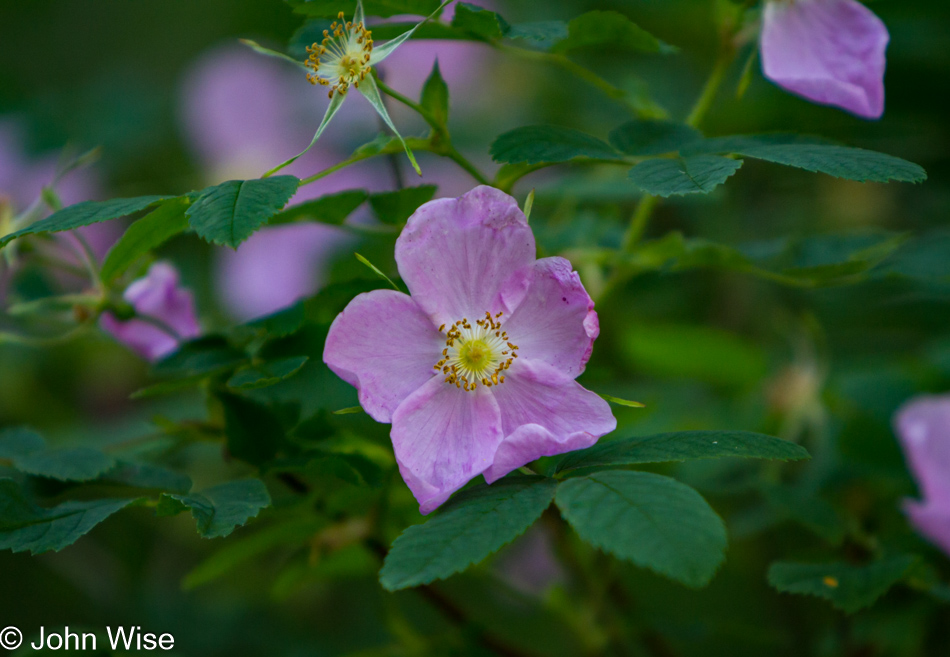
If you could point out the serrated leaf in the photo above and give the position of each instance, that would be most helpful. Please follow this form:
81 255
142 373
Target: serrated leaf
545 33
67 464
20 441
479 22
538 144
435 95
229 213
149 232
219 510
332 209
654 521
85 214
804 153
652 137
696 174
609 28
267 374
396 207
254 431
26 526
848 587
683 446
381 8
477 522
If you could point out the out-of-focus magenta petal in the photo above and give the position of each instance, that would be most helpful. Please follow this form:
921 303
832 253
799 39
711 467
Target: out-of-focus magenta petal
159 297
455 254
923 426
443 437
545 412
932 521
383 344
551 314
829 51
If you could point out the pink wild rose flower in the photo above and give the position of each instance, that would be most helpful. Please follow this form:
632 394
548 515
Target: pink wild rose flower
923 426
476 369
159 297
828 51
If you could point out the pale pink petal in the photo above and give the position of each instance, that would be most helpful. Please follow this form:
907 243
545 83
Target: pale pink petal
829 51
455 254
932 521
545 412
923 426
383 344
552 317
159 297
443 436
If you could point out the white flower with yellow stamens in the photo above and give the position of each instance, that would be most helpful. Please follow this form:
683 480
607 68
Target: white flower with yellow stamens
343 60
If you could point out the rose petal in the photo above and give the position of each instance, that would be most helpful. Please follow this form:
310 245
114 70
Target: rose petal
932 521
552 318
455 254
443 437
545 412
383 344
158 296
923 427
829 51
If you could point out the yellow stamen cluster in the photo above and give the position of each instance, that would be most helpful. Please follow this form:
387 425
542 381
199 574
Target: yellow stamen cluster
476 354
343 57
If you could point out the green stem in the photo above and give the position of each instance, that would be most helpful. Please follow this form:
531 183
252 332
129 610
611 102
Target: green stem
638 223
711 89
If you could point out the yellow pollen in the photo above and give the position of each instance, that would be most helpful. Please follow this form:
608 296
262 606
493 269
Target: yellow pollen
342 60
476 354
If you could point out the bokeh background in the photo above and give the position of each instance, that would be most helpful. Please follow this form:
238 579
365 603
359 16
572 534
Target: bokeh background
175 103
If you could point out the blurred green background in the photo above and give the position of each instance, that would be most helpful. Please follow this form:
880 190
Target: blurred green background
701 349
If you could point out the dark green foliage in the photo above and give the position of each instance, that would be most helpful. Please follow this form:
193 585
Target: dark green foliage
548 144
696 174
219 510
231 212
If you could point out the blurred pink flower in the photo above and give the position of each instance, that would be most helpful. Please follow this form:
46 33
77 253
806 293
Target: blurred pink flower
159 297
531 565
923 427
828 51
503 391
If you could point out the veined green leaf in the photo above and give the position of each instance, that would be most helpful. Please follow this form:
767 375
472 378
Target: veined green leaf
653 137
654 521
267 374
219 510
696 174
609 28
149 232
476 523
538 144
231 212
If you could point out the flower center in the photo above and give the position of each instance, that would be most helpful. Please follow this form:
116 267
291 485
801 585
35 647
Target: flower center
343 57
476 354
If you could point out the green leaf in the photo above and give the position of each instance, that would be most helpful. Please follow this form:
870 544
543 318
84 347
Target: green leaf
68 464
545 33
149 232
267 374
229 213
85 214
609 28
808 510
479 22
332 209
653 137
476 523
220 509
254 431
622 402
20 441
697 174
693 352
201 357
683 446
237 552
435 95
654 521
26 526
148 476
381 8
396 207
803 153
282 323
537 144
848 587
